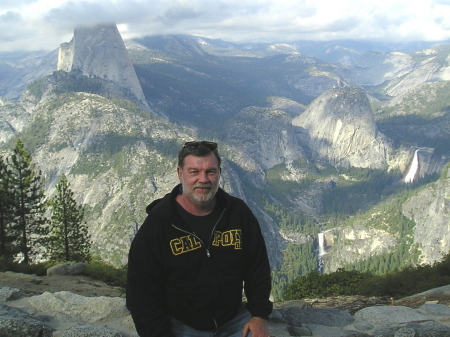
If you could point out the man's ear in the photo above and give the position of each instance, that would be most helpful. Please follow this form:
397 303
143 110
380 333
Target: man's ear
179 173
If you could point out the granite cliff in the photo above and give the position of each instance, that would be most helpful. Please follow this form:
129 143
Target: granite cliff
342 130
99 51
430 210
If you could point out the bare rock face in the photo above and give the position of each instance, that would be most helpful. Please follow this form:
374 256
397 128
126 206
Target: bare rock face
359 241
374 68
430 209
17 322
99 51
18 73
265 135
13 119
342 129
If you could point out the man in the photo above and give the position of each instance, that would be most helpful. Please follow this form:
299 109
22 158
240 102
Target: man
196 249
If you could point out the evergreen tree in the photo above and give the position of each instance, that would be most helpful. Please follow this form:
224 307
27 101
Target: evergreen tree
7 236
29 205
69 238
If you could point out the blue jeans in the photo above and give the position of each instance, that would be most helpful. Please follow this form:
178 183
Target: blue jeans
233 328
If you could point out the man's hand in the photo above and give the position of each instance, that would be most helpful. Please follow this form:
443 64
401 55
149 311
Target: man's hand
257 326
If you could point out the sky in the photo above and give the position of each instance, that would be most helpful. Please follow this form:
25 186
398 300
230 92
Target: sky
45 24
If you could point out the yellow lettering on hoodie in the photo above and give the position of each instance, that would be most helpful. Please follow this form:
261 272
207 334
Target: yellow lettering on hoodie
229 238
184 244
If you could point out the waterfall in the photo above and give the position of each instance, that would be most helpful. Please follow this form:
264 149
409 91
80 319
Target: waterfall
413 169
321 251
321 244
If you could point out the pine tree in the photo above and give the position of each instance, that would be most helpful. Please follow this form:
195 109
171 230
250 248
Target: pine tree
70 240
29 203
7 235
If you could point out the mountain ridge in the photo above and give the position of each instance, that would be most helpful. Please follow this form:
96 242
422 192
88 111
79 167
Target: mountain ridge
264 113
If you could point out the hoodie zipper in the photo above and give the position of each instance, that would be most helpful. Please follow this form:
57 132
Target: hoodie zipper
208 254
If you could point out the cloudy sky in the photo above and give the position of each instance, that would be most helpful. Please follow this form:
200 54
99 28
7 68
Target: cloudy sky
44 24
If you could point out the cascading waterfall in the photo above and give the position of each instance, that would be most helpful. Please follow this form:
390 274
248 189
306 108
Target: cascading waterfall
321 251
413 169
321 244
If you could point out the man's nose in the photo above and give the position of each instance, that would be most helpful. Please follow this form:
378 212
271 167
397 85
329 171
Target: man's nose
203 177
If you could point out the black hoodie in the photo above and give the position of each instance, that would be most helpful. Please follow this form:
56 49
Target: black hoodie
172 273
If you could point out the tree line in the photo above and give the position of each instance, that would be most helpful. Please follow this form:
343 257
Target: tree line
32 227
397 283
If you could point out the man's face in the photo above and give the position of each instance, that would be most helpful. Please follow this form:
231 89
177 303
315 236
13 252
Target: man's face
200 178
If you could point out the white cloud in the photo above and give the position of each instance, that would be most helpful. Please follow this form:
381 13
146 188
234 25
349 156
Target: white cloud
44 24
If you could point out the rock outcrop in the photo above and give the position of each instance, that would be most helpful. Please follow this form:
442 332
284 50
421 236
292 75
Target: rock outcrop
13 119
99 51
64 314
374 68
430 210
265 138
358 241
342 129
67 269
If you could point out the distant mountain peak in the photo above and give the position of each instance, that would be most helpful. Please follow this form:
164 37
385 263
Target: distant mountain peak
99 51
342 129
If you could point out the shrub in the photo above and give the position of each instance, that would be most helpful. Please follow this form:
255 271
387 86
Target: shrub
99 270
340 283
399 283
96 269
39 269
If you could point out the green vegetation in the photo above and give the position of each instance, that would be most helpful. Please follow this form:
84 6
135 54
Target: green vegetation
25 232
7 239
113 151
298 259
35 89
37 135
314 284
404 256
39 269
97 269
75 81
227 88
397 284
404 130
369 198
69 239
347 198
26 196
427 101
290 221
425 108
281 188
360 190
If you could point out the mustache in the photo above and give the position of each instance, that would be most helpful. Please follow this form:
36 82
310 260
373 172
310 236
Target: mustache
207 185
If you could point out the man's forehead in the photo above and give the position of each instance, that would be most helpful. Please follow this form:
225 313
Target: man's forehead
209 161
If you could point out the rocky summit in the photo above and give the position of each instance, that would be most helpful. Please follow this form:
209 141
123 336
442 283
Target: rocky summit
77 312
342 129
99 51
